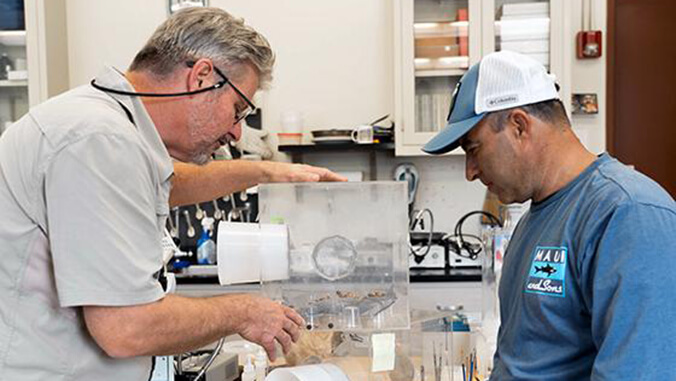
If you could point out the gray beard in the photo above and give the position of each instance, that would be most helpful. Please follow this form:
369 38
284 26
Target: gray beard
197 120
201 158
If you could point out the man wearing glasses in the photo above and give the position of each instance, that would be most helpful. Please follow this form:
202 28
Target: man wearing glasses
85 186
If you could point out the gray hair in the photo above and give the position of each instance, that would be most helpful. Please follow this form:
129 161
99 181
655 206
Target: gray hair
202 32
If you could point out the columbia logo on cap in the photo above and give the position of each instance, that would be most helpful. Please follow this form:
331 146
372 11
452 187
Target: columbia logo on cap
501 100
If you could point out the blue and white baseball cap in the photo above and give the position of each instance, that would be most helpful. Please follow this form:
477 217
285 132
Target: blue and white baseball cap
500 81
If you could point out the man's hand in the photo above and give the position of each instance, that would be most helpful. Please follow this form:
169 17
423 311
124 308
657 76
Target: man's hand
264 321
177 324
193 184
276 172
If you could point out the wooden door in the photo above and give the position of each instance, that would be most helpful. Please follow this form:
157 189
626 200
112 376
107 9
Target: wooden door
641 90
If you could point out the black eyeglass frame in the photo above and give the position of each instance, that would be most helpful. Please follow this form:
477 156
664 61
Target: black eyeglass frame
239 115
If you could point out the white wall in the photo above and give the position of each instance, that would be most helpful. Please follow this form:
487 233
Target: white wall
105 32
334 58
334 64
589 76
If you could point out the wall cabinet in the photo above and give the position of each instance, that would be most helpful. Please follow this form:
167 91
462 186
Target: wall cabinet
13 76
436 41
34 59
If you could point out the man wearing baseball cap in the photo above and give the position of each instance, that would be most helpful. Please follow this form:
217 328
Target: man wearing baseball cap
587 282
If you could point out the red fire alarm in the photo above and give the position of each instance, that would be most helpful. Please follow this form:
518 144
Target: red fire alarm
588 41
589 44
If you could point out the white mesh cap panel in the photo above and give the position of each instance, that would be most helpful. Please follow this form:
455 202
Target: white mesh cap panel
508 79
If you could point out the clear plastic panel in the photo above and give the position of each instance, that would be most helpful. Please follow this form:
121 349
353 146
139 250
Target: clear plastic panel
436 347
348 253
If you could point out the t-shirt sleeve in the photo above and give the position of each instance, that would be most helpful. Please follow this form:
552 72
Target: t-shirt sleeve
634 305
100 196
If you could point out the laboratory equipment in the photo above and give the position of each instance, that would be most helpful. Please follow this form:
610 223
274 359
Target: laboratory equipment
246 251
261 365
434 248
223 367
206 247
249 374
435 347
347 253
338 254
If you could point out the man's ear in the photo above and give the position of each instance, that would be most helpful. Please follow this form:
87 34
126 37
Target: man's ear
521 123
201 71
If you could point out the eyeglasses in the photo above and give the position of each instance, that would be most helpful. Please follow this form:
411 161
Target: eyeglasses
241 113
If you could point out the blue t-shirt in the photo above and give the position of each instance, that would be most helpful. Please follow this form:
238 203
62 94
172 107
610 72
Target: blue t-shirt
587 289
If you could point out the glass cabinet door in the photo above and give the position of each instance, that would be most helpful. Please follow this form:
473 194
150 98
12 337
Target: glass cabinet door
437 40
441 56
440 37
537 28
33 55
524 26
440 40
13 77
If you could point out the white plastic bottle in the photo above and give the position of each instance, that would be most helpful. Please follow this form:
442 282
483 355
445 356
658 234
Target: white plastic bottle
261 365
249 374
206 247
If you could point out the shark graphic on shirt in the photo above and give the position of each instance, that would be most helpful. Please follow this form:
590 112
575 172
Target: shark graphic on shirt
549 270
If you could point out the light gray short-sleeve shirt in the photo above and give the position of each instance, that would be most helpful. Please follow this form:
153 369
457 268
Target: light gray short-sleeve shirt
83 199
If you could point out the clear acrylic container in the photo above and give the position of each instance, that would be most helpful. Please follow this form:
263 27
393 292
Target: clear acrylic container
348 253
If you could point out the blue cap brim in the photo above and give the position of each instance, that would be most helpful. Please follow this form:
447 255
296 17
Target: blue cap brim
449 138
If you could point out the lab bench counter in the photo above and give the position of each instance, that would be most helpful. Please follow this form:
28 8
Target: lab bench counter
422 295
470 274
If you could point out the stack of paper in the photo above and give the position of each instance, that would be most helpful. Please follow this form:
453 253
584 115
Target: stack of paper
524 28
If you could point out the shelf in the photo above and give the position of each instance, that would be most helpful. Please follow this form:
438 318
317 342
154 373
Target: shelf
441 29
298 150
441 73
326 147
13 37
5 83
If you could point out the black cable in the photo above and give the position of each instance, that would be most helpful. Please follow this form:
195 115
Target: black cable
215 86
417 255
495 220
457 248
224 81
458 231
210 360
152 369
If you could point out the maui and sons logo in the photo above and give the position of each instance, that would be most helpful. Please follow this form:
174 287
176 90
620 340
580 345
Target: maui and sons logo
547 275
